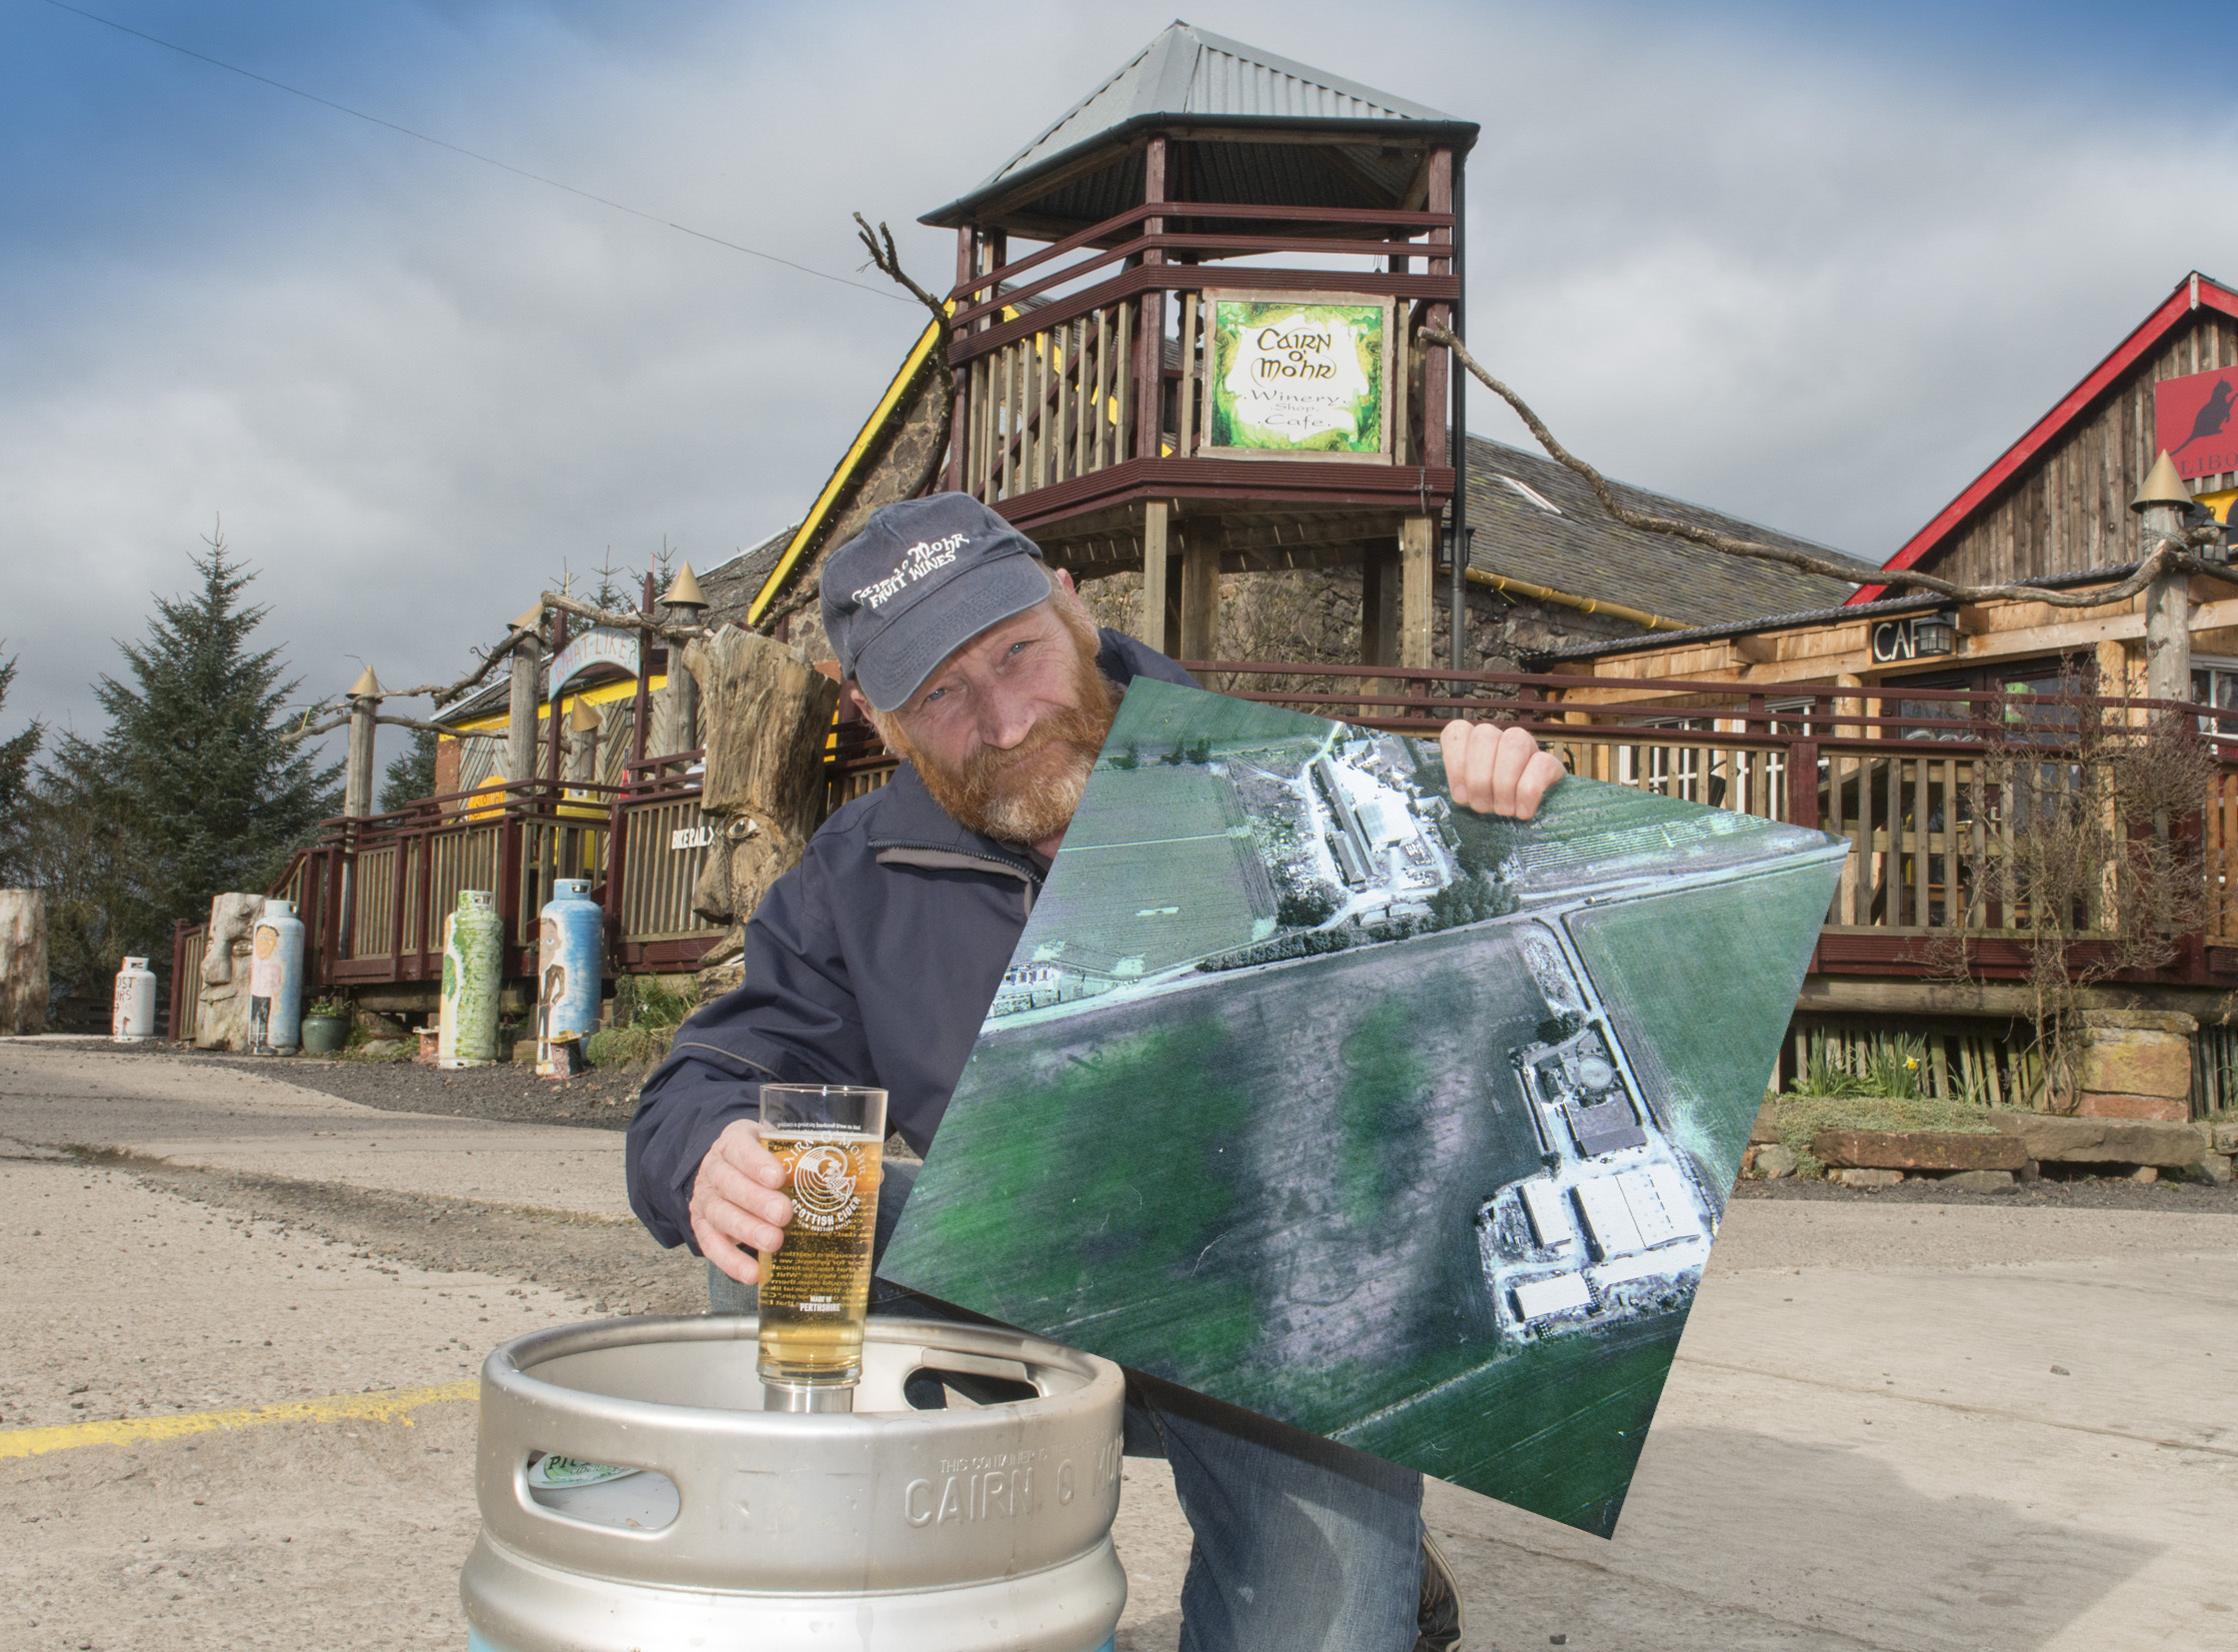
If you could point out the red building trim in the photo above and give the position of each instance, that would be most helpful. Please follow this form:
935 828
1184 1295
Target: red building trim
2194 292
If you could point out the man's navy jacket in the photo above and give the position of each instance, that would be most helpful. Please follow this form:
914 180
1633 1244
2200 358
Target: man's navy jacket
873 962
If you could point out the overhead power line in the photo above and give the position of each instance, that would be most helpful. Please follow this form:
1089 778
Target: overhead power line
470 154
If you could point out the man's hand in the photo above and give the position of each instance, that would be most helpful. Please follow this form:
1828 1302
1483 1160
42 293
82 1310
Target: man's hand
735 1201
1495 770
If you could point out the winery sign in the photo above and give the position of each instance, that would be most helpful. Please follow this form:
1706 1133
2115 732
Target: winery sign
1291 373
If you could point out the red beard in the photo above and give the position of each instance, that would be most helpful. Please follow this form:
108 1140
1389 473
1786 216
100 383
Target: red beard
1028 794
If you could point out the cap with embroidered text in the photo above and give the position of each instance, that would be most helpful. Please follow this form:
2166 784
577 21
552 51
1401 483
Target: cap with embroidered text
923 577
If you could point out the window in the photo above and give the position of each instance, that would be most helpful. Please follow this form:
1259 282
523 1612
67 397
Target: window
1531 494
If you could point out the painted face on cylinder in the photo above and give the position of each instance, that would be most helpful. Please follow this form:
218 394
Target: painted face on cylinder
1004 731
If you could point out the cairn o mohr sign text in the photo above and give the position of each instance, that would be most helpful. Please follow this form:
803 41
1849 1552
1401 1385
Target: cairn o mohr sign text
1291 373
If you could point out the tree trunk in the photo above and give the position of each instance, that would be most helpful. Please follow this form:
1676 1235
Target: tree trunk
765 714
23 961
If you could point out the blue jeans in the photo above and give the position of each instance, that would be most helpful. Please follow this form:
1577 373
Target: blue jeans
1302 1545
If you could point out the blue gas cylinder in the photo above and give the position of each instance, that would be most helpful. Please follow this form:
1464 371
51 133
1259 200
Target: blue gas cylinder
276 982
570 953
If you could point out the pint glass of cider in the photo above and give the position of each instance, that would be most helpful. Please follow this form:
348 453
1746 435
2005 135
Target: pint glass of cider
816 1286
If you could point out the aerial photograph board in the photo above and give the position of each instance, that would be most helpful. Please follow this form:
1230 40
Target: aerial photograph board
1403 1125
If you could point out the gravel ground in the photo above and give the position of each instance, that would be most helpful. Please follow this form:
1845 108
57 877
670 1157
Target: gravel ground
616 1266
602 1099
2080 1192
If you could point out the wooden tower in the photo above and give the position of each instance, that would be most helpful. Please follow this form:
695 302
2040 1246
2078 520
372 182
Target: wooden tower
1183 336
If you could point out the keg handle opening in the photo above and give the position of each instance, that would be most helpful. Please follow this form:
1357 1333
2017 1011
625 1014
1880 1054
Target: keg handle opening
945 1378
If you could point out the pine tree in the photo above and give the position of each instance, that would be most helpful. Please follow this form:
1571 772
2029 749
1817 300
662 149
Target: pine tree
412 777
15 798
195 788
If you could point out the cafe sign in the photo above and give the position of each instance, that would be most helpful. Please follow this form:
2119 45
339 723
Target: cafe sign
1290 373
1914 637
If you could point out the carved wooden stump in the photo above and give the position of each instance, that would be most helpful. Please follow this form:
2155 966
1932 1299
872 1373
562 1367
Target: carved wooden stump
765 712
224 1020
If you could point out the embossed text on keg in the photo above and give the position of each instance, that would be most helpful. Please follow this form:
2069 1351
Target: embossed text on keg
981 1494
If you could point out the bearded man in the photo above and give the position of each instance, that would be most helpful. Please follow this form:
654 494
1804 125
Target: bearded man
873 961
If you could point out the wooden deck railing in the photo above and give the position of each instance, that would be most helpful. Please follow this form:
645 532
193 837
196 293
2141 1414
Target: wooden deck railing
1068 381
1910 776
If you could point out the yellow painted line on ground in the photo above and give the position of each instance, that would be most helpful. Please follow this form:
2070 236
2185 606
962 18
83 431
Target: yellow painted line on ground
389 1405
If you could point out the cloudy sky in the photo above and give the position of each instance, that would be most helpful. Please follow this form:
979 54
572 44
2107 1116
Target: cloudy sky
1813 263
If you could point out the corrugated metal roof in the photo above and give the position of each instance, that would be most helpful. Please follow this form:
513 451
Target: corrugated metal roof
1190 75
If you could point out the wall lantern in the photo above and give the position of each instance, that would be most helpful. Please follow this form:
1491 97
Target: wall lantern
1445 546
1935 633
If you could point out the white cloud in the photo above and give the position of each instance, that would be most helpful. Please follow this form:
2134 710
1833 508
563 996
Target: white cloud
1805 288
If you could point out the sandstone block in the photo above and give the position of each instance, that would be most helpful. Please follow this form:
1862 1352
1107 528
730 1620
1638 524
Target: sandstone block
2096 1104
2224 1138
1919 1150
2054 1140
1772 1161
1765 1129
1855 1178
2135 1062
2142 1021
1979 1182
2215 1167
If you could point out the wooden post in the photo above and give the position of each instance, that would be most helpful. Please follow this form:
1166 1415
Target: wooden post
1438 364
23 962
1418 537
357 782
1457 596
960 409
552 731
638 708
1200 599
1151 621
1149 337
521 705
2167 629
1378 615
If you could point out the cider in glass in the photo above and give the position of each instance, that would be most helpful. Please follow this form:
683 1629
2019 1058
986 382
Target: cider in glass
816 1286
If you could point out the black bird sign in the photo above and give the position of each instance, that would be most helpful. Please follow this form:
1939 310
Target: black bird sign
2214 415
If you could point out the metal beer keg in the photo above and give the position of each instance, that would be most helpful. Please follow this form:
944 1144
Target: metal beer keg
979 1526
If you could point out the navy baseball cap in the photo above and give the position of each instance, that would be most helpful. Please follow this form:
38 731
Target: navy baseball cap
923 577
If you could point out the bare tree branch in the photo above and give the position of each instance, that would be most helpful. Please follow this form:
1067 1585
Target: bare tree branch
2172 554
888 258
312 731
444 692
888 261
622 621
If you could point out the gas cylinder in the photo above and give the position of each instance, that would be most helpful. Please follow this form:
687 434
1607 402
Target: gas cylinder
473 962
571 946
276 982
132 1011
635 1495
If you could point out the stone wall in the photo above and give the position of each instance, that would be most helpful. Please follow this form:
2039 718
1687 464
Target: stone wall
1315 616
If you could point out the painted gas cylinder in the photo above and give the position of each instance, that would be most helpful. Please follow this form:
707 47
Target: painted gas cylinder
276 982
572 941
132 1011
472 962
